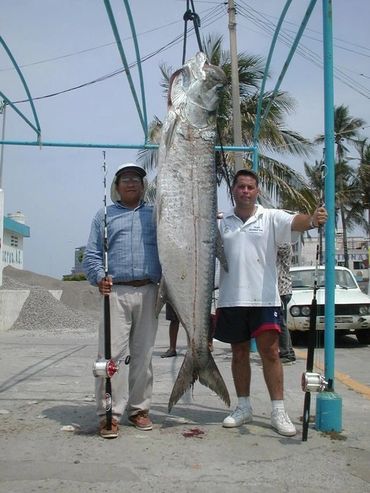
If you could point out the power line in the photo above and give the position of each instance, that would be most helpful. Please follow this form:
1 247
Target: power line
319 32
213 17
105 45
268 27
319 40
305 52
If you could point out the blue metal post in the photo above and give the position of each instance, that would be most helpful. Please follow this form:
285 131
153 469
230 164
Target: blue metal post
23 80
253 345
105 145
329 404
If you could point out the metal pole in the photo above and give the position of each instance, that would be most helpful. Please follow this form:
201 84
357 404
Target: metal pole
3 111
101 145
237 124
329 404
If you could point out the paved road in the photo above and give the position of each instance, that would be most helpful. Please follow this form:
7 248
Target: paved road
352 362
46 385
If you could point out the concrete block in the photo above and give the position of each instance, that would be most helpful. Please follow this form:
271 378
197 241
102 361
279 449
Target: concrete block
11 303
57 293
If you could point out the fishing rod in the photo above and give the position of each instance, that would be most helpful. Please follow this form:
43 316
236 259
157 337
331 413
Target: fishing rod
106 367
312 382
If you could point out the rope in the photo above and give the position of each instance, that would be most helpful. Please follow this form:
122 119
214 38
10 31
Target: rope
191 15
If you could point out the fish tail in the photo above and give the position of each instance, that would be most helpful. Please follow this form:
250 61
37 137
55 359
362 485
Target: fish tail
185 379
208 376
211 377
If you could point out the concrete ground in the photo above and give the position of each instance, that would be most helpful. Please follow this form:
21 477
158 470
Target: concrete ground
49 442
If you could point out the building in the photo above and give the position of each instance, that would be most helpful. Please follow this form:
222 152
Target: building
358 254
14 231
79 255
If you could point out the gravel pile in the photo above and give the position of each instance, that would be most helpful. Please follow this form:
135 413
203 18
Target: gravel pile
24 279
77 310
42 311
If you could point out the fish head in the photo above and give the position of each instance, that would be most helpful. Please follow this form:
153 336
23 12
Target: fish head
199 83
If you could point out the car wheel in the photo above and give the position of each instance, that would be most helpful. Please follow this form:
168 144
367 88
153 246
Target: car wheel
363 336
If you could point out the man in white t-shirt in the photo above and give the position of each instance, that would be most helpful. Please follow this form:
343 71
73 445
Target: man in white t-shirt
249 301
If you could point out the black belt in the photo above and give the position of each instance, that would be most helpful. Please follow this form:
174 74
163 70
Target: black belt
135 284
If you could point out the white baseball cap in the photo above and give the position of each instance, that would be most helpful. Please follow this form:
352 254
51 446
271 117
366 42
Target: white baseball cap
130 167
137 168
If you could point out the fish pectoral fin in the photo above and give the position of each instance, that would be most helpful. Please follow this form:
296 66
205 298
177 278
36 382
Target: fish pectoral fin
220 253
170 132
161 297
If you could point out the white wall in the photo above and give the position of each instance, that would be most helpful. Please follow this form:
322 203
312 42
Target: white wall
12 255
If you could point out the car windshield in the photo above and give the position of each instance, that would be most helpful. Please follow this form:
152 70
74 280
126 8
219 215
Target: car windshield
305 278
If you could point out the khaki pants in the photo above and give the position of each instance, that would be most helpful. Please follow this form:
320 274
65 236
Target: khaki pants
133 331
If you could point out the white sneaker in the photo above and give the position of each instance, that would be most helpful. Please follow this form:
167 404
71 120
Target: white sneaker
238 417
280 421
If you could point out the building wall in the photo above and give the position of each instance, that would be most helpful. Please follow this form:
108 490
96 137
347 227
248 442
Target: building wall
14 231
12 250
358 252
79 253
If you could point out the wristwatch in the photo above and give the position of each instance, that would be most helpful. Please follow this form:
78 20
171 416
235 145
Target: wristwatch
312 226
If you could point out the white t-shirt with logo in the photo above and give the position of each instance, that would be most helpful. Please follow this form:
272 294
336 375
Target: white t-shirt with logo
250 250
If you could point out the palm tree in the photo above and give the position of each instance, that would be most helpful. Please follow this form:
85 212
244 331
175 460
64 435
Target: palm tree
346 132
277 179
363 176
348 202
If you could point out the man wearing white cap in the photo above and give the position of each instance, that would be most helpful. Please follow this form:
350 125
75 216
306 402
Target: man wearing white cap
134 273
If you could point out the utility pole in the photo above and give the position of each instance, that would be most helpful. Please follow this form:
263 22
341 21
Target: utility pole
2 111
237 123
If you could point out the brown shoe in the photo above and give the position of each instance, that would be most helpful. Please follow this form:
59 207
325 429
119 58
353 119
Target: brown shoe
141 421
104 432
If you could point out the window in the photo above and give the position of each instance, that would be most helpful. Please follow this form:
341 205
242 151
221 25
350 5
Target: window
358 265
14 241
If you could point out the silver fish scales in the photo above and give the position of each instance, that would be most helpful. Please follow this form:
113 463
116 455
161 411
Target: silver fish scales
186 216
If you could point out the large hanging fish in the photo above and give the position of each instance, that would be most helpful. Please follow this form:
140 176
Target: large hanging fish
186 215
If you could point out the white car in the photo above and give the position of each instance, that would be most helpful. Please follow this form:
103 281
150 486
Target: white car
352 306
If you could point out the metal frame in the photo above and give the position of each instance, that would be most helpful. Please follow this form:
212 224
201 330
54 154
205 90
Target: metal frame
333 422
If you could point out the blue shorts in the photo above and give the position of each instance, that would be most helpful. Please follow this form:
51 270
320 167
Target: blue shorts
240 323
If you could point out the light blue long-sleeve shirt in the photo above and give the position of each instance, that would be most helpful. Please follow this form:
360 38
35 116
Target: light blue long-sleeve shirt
132 245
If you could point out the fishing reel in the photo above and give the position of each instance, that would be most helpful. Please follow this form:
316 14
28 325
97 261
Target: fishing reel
107 367
313 382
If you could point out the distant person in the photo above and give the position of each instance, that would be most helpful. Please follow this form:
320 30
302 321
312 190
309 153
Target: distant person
132 285
283 262
173 330
249 301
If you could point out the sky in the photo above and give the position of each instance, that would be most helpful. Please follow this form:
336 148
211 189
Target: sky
61 45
